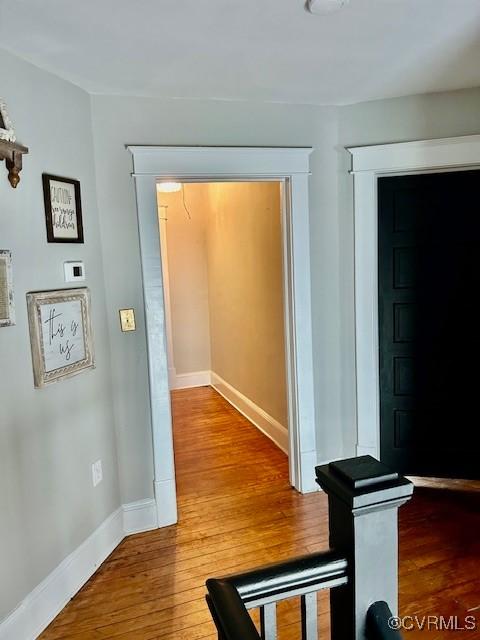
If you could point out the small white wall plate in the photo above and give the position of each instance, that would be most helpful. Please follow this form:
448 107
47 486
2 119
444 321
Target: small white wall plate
74 271
127 319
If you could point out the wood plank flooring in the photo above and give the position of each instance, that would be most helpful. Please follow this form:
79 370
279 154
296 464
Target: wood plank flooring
236 511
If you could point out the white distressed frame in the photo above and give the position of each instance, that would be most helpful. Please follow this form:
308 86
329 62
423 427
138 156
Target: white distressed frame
35 300
6 260
290 166
369 163
7 132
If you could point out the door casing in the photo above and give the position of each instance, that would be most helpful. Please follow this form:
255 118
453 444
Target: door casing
290 167
368 164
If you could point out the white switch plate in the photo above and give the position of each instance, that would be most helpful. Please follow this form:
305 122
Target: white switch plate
74 271
97 472
127 319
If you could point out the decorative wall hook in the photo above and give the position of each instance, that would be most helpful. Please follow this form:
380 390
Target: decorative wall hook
10 151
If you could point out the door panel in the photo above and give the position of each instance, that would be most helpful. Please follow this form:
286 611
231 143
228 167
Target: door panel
429 322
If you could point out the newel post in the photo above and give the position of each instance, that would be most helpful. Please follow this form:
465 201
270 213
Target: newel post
363 501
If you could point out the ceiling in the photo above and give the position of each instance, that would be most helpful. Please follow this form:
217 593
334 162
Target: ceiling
263 50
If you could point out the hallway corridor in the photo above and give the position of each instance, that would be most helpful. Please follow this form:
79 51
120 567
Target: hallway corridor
236 511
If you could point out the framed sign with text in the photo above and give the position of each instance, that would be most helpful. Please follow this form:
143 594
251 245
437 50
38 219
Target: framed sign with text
60 334
63 209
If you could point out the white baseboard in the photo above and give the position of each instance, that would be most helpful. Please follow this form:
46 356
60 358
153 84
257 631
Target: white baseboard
46 601
42 604
255 414
166 503
308 483
139 516
189 380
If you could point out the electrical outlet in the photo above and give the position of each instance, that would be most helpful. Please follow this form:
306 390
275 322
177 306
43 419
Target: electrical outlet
97 472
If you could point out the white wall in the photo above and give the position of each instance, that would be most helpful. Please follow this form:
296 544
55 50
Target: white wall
49 437
245 276
435 115
186 244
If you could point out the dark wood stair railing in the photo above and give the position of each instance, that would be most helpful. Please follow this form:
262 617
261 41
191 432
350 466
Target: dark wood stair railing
377 623
361 569
265 586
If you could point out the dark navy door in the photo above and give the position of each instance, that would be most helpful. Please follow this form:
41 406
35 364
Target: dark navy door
429 323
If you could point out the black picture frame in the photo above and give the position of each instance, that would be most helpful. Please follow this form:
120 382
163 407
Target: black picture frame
58 221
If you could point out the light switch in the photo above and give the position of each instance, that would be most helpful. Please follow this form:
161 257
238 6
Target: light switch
127 319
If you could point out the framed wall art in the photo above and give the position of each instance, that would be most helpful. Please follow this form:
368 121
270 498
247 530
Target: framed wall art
60 334
7 308
63 209
6 127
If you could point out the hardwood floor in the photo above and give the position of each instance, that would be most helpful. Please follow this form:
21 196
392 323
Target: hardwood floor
236 511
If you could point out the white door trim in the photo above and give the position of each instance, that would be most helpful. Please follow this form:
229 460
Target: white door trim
368 163
291 167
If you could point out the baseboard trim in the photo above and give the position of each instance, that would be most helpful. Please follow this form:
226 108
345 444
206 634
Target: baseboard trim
193 379
46 601
270 427
139 516
166 504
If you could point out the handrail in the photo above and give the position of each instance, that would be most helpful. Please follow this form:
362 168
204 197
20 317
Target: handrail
228 612
363 500
378 625
229 597
292 577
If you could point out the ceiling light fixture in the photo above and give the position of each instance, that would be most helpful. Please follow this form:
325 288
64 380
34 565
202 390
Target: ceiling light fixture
324 7
169 187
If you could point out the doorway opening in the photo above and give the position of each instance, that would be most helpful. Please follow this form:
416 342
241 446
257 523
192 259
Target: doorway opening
288 166
225 315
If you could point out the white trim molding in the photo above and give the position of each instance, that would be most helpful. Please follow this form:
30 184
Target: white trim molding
208 162
189 380
139 516
46 601
270 427
369 163
289 166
